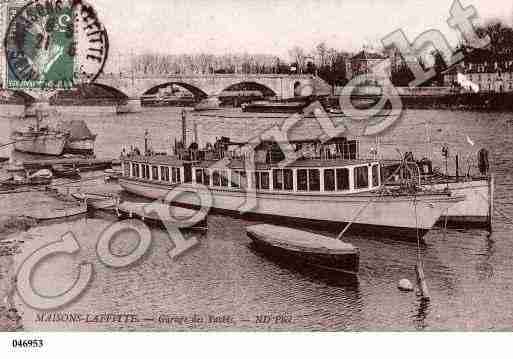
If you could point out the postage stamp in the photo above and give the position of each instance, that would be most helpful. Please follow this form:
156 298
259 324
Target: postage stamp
53 45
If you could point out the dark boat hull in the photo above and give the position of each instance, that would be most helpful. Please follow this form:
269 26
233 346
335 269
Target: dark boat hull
345 263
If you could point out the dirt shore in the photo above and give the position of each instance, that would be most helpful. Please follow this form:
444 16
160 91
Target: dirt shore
15 218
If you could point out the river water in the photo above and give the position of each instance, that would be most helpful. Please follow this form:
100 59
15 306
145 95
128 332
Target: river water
469 272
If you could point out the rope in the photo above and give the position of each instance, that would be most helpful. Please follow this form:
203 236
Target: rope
360 211
508 219
8 144
417 226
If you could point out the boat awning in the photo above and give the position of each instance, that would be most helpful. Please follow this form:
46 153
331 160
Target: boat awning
236 164
162 160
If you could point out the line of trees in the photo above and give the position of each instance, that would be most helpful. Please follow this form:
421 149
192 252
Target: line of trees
202 64
498 56
328 63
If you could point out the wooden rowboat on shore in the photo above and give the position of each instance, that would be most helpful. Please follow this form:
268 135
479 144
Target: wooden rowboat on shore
299 247
58 213
95 200
164 214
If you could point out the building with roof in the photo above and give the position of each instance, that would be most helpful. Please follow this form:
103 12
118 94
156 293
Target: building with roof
364 64
482 69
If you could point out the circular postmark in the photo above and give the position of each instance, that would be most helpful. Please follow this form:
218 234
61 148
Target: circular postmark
54 44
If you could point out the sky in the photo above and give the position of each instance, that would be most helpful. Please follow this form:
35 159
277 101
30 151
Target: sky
273 26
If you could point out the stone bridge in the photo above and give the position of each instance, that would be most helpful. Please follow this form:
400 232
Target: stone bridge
283 86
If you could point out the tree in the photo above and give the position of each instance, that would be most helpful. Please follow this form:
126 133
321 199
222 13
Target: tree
297 54
322 51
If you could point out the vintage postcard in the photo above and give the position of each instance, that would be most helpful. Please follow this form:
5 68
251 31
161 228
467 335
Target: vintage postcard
255 166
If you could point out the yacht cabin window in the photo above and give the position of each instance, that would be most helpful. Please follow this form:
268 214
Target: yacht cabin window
206 177
283 179
361 177
224 178
302 180
145 171
329 180
216 179
265 180
199 175
164 173
375 175
135 169
343 179
314 180
262 180
235 180
219 178
239 179
309 180
175 175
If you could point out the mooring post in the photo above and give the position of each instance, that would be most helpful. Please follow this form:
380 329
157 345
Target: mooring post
491 194
146 142
457 167
421 281
184 129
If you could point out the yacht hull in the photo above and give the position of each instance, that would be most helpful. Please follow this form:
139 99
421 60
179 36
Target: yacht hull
397 216
52 145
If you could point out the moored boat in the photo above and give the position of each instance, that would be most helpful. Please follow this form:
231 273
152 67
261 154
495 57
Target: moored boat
39 140
63 171
336 191
43 142
42 215
95 200
477 208
163 214
112 174
297 247
81 146
81 140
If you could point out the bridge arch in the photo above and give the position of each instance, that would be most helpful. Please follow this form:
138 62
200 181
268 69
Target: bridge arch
251 86
18 97
195 91
92 94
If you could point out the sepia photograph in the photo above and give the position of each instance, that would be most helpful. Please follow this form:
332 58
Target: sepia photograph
273 166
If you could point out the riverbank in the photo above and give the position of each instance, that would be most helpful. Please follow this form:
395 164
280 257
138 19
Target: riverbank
16 217
10 320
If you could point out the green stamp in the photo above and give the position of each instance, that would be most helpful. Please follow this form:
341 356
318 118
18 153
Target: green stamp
43 42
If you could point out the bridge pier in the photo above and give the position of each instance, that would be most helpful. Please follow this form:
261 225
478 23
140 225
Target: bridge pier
132 105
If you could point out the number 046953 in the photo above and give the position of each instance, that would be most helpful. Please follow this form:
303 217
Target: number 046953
27 343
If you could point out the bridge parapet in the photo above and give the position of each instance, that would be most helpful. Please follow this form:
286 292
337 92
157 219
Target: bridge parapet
136 85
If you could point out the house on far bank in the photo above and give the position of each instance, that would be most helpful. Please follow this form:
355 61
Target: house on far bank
482 70
363 64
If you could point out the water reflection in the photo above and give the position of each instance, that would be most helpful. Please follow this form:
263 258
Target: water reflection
224 275
349 282
484 266
423 310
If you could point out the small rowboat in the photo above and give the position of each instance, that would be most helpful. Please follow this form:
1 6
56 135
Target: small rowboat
111 174
95 200
58 213
163 213
61 171
298 247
